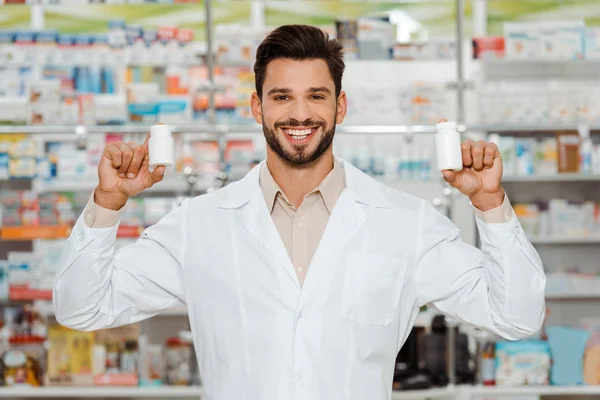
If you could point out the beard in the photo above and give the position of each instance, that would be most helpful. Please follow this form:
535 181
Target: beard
299 155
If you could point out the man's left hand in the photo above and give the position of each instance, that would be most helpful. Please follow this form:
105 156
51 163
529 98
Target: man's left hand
481 175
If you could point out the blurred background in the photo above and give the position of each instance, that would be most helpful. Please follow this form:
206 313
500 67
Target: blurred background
76 75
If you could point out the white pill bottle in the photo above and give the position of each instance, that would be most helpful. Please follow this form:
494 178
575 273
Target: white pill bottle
448 147
161 148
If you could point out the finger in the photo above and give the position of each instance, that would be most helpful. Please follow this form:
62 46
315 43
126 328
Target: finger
139 153
450 177
145 144
489 155
442 120
127 154
466 152
113 153
477 152
156 176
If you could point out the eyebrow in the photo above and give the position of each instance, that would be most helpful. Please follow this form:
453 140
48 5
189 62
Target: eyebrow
319 89
277 90
280 91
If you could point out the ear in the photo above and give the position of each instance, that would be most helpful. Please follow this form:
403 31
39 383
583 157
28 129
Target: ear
342 107
256 108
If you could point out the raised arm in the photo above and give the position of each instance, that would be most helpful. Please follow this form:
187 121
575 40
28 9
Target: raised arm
500 287
97 287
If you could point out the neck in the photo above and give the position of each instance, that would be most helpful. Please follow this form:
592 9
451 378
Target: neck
296 181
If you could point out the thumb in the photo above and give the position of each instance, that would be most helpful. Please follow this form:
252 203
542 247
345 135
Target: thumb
450 176
145 144
155 176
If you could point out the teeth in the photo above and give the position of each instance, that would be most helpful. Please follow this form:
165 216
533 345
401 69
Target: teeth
298 133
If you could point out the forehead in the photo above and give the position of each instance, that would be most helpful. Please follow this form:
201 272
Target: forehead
297 74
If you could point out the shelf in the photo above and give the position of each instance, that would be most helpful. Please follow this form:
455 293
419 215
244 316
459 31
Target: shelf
171 183
435 393
526 128
573 296
534 391
167 392
249 128
34 232
540 69
564 240
566 177
70 129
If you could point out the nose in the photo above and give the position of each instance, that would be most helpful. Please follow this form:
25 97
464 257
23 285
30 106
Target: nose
300 110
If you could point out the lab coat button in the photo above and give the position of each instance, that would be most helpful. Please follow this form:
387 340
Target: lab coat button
299 377
81 236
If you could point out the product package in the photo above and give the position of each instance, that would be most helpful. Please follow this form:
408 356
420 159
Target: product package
520 363
70 355
567 346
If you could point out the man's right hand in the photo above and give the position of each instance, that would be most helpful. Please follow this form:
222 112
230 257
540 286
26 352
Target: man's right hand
123 172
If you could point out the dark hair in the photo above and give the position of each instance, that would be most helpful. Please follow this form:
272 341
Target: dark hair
299 42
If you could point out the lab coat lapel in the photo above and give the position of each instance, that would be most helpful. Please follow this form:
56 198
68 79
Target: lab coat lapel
256 219
245 198
347 218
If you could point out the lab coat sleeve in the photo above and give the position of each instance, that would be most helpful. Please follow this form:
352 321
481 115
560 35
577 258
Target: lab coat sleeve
499 288
97 287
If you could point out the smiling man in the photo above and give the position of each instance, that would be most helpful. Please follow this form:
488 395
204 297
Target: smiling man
302 280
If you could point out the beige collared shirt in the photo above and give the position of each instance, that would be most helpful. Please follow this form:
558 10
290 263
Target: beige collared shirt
300 229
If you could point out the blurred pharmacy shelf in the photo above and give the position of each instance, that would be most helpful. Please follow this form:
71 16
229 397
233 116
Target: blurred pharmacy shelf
539 69
565 177
198 128
526 128
484 391
175 182
564 239
574 295
172 392
166 392
435 393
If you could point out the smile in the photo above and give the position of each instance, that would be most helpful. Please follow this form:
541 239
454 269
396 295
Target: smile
299 133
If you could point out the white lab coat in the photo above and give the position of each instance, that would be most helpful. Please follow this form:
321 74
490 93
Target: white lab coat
258 334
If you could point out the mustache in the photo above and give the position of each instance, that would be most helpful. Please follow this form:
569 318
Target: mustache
295 123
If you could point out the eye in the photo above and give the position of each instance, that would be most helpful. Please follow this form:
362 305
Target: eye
317 97
281 98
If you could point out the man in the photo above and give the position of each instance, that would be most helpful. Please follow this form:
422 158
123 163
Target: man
303 279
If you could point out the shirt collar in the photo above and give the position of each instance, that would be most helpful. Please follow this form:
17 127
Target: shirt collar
329 188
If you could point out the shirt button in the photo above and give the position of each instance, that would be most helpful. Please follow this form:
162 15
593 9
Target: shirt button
299 270
300 224
299 377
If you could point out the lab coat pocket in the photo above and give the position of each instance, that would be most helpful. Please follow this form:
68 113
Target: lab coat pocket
372 288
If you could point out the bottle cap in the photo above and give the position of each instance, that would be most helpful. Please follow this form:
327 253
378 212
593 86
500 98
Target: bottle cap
160 129
445 125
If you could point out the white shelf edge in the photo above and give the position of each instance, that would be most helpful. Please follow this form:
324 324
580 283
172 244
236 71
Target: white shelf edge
197 128
433 393
514 128
171 183
566 177
573 296
102 391
541 240
533 390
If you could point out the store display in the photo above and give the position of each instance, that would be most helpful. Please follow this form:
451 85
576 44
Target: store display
559 218
567 152
567 346
178 360
448 147
131 74
161 148
525 362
